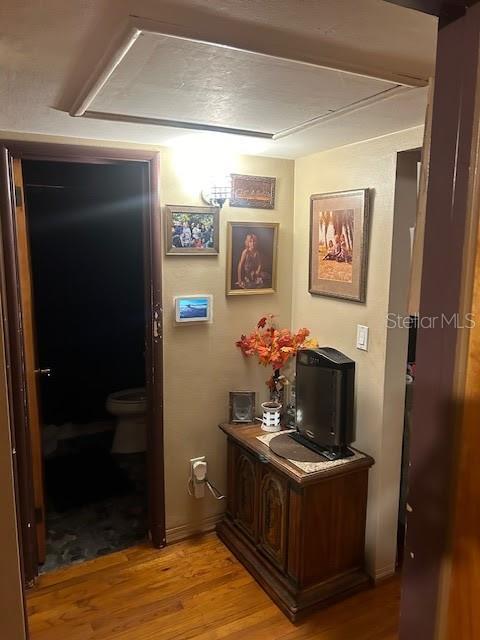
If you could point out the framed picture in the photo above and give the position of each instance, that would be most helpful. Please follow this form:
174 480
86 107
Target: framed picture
191 230
242 406
251 257
339 244
193 308
253 192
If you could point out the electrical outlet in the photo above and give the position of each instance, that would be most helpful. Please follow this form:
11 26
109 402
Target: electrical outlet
192 462
198 476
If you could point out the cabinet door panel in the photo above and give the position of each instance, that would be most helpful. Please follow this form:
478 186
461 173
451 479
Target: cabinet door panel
273 517
245 501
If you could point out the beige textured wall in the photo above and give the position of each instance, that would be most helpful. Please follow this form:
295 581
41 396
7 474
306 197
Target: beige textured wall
201 362
378 429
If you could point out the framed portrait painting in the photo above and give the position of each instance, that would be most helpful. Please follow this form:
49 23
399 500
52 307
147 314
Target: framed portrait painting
253 192
191 230
339 244
251 257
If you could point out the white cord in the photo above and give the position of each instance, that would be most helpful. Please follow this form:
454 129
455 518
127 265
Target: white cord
213 490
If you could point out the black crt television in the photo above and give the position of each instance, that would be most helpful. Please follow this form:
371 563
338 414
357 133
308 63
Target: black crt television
325 380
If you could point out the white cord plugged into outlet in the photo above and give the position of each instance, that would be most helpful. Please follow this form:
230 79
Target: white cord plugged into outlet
198 480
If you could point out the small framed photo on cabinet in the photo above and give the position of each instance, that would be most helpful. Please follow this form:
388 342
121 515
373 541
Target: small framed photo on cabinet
242 407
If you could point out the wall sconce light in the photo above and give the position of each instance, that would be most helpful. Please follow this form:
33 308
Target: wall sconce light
217 193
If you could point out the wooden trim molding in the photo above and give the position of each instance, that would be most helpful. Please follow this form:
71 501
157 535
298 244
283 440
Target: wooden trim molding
184 531
435 434
278 49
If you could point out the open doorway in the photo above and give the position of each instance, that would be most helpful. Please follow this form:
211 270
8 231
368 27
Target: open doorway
85 233
84 317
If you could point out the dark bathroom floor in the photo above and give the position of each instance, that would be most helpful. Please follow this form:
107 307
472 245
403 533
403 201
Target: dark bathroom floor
101 526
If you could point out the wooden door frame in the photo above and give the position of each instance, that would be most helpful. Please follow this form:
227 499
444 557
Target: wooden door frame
14 335
441 364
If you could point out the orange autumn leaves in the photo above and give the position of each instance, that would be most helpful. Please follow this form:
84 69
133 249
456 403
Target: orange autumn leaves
274 347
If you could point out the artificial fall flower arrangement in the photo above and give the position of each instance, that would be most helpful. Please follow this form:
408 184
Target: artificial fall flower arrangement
274 347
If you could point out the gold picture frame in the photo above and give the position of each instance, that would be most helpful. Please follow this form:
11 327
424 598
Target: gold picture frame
339 233
251 258
204 236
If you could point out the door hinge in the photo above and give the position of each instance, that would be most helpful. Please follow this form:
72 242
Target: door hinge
18 196
157 323
38 515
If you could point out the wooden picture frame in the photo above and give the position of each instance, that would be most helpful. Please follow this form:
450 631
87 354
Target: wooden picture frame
252 192
261 253
339 233
203 237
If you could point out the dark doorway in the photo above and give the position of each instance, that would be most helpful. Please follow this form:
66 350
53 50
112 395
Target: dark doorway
81 238
85 232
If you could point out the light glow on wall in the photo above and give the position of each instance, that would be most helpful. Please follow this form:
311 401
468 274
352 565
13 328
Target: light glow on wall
203 159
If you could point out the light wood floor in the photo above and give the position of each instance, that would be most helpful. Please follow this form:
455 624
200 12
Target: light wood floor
196 590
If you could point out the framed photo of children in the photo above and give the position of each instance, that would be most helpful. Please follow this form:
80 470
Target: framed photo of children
251 257
339 244
191 230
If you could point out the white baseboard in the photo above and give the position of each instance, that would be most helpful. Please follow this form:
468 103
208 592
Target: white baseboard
383 574
175 534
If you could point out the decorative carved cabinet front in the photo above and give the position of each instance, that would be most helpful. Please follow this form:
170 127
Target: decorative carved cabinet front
301 535
245 501
273 511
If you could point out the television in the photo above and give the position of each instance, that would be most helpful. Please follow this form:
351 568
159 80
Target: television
324 389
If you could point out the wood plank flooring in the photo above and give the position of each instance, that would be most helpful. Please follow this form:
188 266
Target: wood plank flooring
191 590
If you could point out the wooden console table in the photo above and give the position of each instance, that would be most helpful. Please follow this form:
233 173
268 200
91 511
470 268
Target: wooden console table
301 535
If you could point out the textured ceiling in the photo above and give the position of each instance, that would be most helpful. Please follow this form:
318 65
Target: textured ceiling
177 79
48 49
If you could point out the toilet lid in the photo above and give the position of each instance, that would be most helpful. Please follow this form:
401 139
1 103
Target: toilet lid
129 395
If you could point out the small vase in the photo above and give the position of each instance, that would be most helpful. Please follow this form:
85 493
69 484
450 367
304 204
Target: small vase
271 416
276 387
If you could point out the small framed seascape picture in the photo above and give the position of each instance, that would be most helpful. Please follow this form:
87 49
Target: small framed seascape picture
190 309
253 192
251 257
191 230
339 229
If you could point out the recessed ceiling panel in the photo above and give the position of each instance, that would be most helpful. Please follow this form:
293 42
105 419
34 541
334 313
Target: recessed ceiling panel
171 78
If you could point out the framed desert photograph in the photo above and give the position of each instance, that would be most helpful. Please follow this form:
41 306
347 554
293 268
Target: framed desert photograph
254 192
191 230
251 257
339 244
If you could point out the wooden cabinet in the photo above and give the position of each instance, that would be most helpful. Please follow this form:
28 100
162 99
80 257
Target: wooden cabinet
273 516
245 498
301 535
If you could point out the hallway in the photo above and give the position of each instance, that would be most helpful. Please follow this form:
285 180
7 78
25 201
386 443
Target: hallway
193 589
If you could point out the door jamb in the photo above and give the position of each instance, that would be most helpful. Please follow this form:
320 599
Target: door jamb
13 329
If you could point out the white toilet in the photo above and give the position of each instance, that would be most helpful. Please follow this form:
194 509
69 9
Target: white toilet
129 406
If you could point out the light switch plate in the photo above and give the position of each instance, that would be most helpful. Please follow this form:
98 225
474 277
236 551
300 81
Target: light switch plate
362 337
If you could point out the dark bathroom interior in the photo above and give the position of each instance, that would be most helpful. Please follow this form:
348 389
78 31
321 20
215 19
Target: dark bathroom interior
85 227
